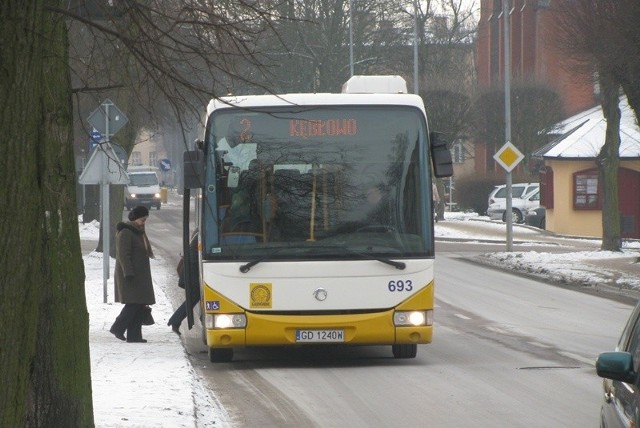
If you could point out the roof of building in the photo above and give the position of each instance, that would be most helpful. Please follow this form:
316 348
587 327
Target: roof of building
583 135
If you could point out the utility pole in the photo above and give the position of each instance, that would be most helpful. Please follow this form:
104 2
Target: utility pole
351 36
415 47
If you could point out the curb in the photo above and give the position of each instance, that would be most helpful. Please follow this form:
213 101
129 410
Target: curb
607 291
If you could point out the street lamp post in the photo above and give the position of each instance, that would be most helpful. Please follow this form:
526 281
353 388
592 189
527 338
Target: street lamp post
506 7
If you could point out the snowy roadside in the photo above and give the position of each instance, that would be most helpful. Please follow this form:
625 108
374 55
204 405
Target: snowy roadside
594 269
141 384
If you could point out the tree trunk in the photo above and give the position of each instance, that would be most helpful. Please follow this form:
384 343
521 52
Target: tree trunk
608 161
44 336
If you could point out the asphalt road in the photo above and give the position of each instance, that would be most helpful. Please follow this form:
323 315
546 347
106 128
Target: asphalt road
507 351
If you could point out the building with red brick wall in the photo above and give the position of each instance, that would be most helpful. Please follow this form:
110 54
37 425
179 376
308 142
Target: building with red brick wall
535 56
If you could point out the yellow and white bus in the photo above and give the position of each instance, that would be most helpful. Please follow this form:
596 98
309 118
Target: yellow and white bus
315 219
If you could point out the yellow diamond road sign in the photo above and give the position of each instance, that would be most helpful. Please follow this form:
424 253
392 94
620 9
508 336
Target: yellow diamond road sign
508 156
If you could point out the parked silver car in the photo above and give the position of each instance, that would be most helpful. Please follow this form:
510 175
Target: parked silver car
523 199
517 190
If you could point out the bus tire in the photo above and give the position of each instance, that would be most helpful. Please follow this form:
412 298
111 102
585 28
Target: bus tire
404 351
220 355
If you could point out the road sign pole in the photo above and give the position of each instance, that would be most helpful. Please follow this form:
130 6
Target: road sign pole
106 220
507 113
106 120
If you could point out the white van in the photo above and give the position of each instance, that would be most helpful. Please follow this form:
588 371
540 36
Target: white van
143 189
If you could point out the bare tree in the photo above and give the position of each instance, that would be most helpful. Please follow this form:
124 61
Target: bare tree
178 52
309 47
535 109
445 31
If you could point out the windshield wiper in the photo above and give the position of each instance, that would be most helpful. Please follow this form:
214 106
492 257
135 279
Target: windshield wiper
398 265
385 260
247 266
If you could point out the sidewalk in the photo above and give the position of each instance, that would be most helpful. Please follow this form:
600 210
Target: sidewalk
141 384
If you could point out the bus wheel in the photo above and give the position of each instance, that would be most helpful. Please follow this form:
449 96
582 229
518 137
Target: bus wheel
220 355
404 351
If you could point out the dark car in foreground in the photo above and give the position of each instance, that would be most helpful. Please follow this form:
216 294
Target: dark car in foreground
536 217
621 407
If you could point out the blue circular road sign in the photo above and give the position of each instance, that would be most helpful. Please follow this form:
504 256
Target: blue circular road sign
165 165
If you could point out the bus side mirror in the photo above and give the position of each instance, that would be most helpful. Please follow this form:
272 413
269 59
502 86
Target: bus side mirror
193 169
440 156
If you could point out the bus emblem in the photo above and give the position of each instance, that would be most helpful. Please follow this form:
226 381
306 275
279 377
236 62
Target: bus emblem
320 294
260 295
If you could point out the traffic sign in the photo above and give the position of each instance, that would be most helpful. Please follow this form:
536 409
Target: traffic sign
165 165
107 111
121 153
508 156
104 160
95 136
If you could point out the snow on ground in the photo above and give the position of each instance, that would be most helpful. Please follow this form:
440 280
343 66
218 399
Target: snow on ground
141 384
154 385
585 268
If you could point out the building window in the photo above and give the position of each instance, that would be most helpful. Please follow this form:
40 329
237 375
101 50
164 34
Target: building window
136 158
586 195
153 158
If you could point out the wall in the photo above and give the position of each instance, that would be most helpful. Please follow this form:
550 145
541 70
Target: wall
534 52
146 143
563 219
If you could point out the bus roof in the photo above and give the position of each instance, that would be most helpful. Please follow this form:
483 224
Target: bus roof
323 99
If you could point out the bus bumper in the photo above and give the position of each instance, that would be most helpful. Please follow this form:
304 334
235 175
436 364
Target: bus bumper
354 329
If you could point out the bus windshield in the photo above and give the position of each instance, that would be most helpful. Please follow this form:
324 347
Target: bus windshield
321 183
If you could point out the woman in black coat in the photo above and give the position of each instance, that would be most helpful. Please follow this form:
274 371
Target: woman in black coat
133 284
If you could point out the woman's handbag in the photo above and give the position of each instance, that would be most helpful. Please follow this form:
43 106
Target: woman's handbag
147 318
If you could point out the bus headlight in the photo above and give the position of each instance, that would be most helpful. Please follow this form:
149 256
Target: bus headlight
157 195
226 321
413 318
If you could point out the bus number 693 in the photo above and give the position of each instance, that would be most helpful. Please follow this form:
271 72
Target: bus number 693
400 285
